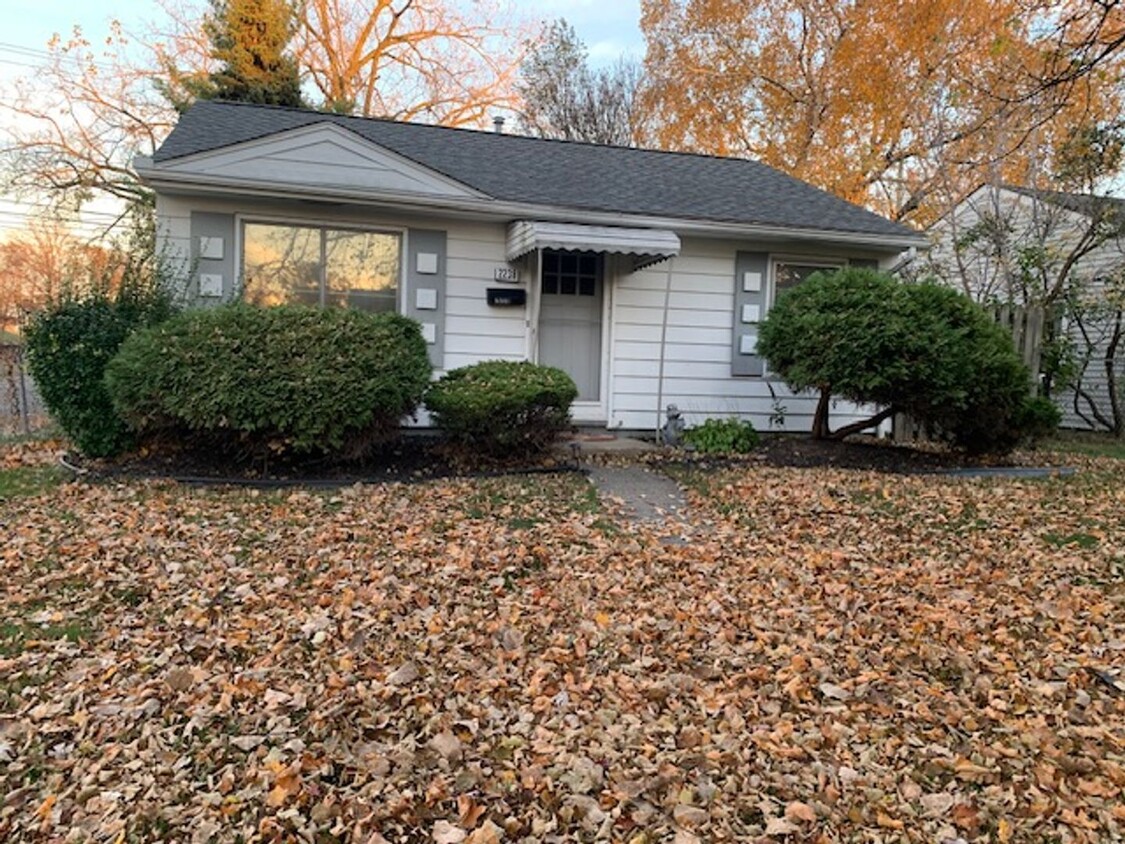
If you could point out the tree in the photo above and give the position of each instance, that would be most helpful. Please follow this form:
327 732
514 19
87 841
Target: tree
80 118
426 60
1061 250
920 349
249 40
38 261
562 97
899 107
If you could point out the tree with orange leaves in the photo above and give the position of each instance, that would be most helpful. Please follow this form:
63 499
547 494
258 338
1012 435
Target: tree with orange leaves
898 106
38 261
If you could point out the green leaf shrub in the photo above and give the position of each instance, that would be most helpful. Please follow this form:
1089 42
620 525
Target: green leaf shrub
723 436
1038 418
69 344
503 408
922 349
286 379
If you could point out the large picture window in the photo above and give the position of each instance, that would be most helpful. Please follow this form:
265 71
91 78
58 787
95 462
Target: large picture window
320 266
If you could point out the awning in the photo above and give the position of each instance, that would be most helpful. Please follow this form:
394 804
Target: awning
646 246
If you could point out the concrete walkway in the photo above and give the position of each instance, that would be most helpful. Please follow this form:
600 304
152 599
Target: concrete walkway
645 496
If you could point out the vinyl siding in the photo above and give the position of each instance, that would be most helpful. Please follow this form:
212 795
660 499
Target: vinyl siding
698 346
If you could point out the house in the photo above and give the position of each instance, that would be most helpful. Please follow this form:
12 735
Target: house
1013 244
643 274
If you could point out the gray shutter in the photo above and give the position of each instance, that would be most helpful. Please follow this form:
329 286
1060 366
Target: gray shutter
425 288
751 283
866 263
218 229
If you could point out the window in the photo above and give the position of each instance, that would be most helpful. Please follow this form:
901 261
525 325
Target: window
787 274
571 273
320 266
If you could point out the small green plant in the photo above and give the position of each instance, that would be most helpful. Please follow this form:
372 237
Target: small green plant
272 380
723 436
503 408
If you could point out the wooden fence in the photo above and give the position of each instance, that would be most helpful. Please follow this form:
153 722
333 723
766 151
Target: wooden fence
1026 325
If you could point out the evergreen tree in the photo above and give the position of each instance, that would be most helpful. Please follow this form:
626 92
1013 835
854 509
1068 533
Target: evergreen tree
250 39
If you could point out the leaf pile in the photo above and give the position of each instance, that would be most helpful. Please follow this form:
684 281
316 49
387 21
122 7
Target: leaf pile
829 656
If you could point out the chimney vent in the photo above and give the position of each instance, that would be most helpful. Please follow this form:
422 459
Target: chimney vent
498 124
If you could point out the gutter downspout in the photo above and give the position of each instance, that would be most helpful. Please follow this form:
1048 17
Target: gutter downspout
663 341
535 287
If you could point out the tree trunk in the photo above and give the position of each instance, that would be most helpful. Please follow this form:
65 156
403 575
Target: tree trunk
820 420
1115 407
863 424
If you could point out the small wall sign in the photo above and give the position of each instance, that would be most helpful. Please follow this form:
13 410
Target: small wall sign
509 274
506 298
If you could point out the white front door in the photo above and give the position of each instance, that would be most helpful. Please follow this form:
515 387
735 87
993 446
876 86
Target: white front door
572 285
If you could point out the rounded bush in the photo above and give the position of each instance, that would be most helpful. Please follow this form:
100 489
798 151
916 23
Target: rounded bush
69 345
723 436
502 407
920 349
289 378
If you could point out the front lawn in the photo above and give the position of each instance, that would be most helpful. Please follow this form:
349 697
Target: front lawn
830 656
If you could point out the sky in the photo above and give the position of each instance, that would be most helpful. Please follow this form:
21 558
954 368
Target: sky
609 28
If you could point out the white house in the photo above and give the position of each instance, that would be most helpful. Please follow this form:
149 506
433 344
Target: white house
1012 244
643 274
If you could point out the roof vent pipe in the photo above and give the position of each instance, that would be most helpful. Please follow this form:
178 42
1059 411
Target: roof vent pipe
498 124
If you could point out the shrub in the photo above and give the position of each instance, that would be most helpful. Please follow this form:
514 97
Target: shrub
722 436
273 379
69 344
1037 418
501 407
921 349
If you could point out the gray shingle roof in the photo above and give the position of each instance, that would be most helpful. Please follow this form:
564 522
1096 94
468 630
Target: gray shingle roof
566 174
1081 203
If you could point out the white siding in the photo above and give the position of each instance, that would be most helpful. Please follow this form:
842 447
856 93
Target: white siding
699 336
977 271
697 350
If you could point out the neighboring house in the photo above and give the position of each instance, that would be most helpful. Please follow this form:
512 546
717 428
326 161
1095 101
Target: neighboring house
643 274
1025 246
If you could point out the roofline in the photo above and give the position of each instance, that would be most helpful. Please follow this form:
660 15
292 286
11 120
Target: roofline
156 177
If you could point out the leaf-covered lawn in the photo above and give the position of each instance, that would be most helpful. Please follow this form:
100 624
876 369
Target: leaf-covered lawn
832 656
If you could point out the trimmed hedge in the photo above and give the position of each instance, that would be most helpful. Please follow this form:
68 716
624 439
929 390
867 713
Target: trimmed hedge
723 436
922 349
68 348
503 408
279 379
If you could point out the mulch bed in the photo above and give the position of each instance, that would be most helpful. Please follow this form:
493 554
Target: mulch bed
420 457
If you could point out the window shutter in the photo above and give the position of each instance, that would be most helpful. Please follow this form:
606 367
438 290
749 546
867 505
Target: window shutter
425 288
213 260
751 291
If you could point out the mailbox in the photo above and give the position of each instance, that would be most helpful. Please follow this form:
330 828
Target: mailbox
506 297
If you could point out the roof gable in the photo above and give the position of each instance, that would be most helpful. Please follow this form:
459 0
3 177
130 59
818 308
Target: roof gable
318 155
561 174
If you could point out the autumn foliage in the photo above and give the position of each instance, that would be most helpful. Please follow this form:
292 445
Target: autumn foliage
831 655
900 107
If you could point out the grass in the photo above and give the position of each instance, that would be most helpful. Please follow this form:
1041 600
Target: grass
1089 443
29 480
15 637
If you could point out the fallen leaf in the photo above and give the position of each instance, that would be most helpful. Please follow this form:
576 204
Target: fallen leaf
446 833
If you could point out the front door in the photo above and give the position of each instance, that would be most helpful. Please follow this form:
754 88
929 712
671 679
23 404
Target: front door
570 318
